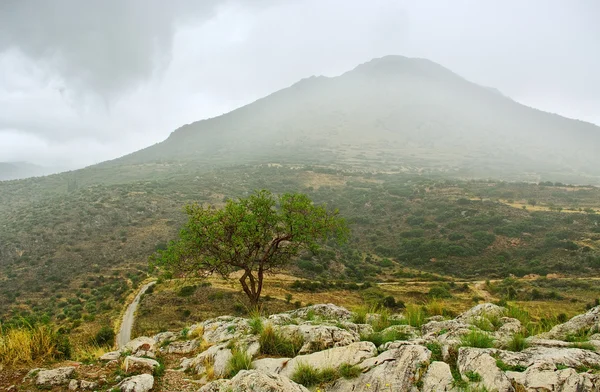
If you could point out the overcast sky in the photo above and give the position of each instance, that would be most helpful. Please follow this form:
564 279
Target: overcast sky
86 81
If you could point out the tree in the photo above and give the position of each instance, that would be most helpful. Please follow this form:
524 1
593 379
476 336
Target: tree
257 235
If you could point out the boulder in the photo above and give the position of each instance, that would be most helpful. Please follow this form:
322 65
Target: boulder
82 385
571 357
319 337
448 332
224 328
140 365
111 356
179 347
409 331
438 378
52 377
481 310
215 357
588 322
394 370
163 337
254 381
139 383
353 354
141 347
322 311
472 360
544 376
270 365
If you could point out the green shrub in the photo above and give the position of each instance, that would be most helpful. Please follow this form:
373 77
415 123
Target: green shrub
517 343
436 351
309 376
186 291
256 325
349 371
379 338
414 316
105 336
274 343
240 360
477 339
439 292
473 376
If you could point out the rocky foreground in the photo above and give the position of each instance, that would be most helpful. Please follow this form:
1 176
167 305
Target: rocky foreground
332 353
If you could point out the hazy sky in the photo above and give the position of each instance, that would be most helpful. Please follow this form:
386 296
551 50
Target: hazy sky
86 81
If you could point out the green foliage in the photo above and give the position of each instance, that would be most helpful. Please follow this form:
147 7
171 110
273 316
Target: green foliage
473 376
307 375
436 351
257 234
415 316
256 325
439 292
505 367
379 338
583 346
477 339
517 343
105 336
186 291
240 360
349 371
274 343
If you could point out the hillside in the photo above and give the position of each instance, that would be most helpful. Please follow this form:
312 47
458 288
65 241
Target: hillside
396 112
393 144
16 170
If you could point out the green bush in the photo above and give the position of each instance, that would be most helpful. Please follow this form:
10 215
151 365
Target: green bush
439 292
186 291
309 376
274 343
240 360
477 339
517 343
105 336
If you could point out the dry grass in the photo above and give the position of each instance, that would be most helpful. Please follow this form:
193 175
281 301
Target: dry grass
28 344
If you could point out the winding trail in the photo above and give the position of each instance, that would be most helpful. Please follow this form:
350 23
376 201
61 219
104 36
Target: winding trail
124 335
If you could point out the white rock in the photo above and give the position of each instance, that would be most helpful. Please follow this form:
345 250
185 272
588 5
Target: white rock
140 365
352 354
185 347
254 381
393 370
140 383
438 378
322 311
481 310
216 356
572 357
141 347
79 385
111 356
162 337
480 362
544 376
52 377
270 365
224 328
319 337
587 322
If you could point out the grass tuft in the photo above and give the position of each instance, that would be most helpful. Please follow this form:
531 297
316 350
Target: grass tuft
517 343
477 339
240 360
274 343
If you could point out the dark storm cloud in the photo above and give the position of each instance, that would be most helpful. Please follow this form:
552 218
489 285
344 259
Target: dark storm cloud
83 81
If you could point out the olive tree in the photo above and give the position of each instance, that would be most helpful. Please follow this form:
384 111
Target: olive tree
255 235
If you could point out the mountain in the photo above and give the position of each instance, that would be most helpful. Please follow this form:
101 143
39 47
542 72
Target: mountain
17 170
394 112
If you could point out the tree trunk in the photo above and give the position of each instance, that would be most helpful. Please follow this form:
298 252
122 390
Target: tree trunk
252 288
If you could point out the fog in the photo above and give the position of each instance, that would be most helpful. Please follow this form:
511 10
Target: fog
83 82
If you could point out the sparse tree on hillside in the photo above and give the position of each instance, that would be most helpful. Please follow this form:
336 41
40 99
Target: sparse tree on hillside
257 235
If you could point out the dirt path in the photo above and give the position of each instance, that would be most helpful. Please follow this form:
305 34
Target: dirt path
124 335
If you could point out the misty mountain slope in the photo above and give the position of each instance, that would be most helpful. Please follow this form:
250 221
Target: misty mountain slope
16 170
413 111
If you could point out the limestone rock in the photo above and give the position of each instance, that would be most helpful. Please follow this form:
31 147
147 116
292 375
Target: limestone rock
481 310
544 376
323 311
270 365
480 362
82 385
254 381
571 357
141 347
216 357
111 356
224 328
140 383
438 378
140 365
588 322
352 354
162 337
319 337
185 347
394 370
53 377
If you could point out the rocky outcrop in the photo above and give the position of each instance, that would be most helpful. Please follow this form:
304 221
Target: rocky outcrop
583 324
141 347
545 376
140 365
49 378
395 370
438 378
254 381
319 337
82 385
478 366
213 360
182 347
139 383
